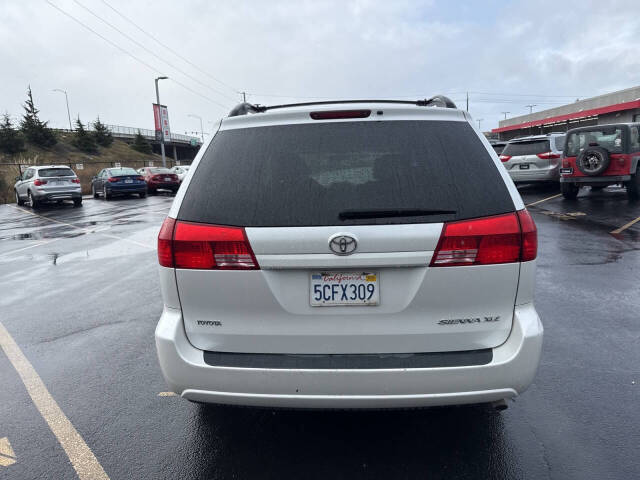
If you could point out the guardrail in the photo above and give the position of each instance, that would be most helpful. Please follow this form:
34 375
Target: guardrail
130 132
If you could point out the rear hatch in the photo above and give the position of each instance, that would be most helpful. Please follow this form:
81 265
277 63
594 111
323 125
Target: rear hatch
57 179
529 156
321 205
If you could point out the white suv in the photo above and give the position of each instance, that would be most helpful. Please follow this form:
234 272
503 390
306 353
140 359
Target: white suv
370 254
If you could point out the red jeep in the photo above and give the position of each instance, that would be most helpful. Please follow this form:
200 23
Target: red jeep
599 156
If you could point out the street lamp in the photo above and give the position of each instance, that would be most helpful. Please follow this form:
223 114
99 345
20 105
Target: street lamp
505 114
201 129
67 100
164 160
479 122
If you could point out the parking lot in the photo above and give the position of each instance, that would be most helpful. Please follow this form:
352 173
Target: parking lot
80 298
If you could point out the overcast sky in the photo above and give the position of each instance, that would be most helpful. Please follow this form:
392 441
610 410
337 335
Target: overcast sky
506 54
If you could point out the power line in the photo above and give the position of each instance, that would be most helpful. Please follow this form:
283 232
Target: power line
235 90
126 52
150 51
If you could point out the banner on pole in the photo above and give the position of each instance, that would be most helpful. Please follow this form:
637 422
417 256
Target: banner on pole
161 121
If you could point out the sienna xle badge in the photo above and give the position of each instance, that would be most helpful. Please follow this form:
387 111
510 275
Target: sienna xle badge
348 254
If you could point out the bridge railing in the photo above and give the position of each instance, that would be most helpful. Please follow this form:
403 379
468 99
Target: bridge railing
122 131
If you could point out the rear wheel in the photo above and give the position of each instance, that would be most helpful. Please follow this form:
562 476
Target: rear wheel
77 202
569 190
33 203
19 201
142 194
93 191
152 191
633 187
105 194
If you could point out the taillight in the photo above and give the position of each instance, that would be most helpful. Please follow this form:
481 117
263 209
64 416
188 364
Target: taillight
205 247
505 158
487 241
37 182
165 237
112 179
335 114
75 180
548 155
141 178
529 236
565 163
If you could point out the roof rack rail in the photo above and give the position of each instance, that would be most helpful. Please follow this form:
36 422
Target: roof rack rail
436 101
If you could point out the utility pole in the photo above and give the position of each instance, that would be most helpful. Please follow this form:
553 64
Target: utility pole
201 129
531 108
467 101
164 159
244 97
67 100
505 114
479 122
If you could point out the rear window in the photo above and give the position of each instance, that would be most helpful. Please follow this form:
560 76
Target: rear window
498 148
56 172
609 138
310 174
122 171
160 170
560 142
530 147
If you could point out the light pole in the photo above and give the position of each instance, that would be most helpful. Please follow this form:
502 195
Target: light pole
201 129
479 122
505 114
164 160
67 100
531 108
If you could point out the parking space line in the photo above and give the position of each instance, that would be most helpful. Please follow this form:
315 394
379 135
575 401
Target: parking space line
27 248
80 455
544 200
86 230
625 226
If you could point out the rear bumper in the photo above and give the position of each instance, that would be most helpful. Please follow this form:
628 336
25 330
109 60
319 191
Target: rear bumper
164 186
546 175
124 189
54 196
509 373
606 179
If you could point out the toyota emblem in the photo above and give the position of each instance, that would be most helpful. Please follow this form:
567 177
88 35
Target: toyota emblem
341 244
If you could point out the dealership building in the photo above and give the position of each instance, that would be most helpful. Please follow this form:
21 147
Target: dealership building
621 106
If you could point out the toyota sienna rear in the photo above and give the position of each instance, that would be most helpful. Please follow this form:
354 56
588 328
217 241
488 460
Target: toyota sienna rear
348 255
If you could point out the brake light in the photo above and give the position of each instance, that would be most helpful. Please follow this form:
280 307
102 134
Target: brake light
37 182
112 179
487 241
75 180
335 114
205 247
505 158
548 155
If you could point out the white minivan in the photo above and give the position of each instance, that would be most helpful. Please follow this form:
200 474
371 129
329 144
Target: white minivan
354 254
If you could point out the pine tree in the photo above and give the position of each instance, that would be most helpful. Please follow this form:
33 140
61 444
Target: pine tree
10 139
83 140
101 134
140 144
35 130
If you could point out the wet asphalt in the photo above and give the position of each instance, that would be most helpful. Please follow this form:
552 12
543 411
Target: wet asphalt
79 294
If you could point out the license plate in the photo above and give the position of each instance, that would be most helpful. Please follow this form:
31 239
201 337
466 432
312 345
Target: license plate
128 180
167 179
329 289
566 171
524 166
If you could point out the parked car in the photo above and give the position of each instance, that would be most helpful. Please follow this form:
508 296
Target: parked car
159 178
535 158
110 182
181 171
348 255
51 183
599 156
498 146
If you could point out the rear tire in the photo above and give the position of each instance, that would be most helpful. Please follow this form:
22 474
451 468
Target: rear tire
77 202
33 203
151 191
19 201
93 191
569 190
142 194
633 187
107 196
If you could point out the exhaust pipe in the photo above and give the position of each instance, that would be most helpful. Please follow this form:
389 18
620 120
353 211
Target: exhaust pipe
500 405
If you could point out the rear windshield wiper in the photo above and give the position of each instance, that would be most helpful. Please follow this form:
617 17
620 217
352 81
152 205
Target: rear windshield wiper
392 212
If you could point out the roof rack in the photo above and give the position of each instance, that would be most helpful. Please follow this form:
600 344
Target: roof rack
436 101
